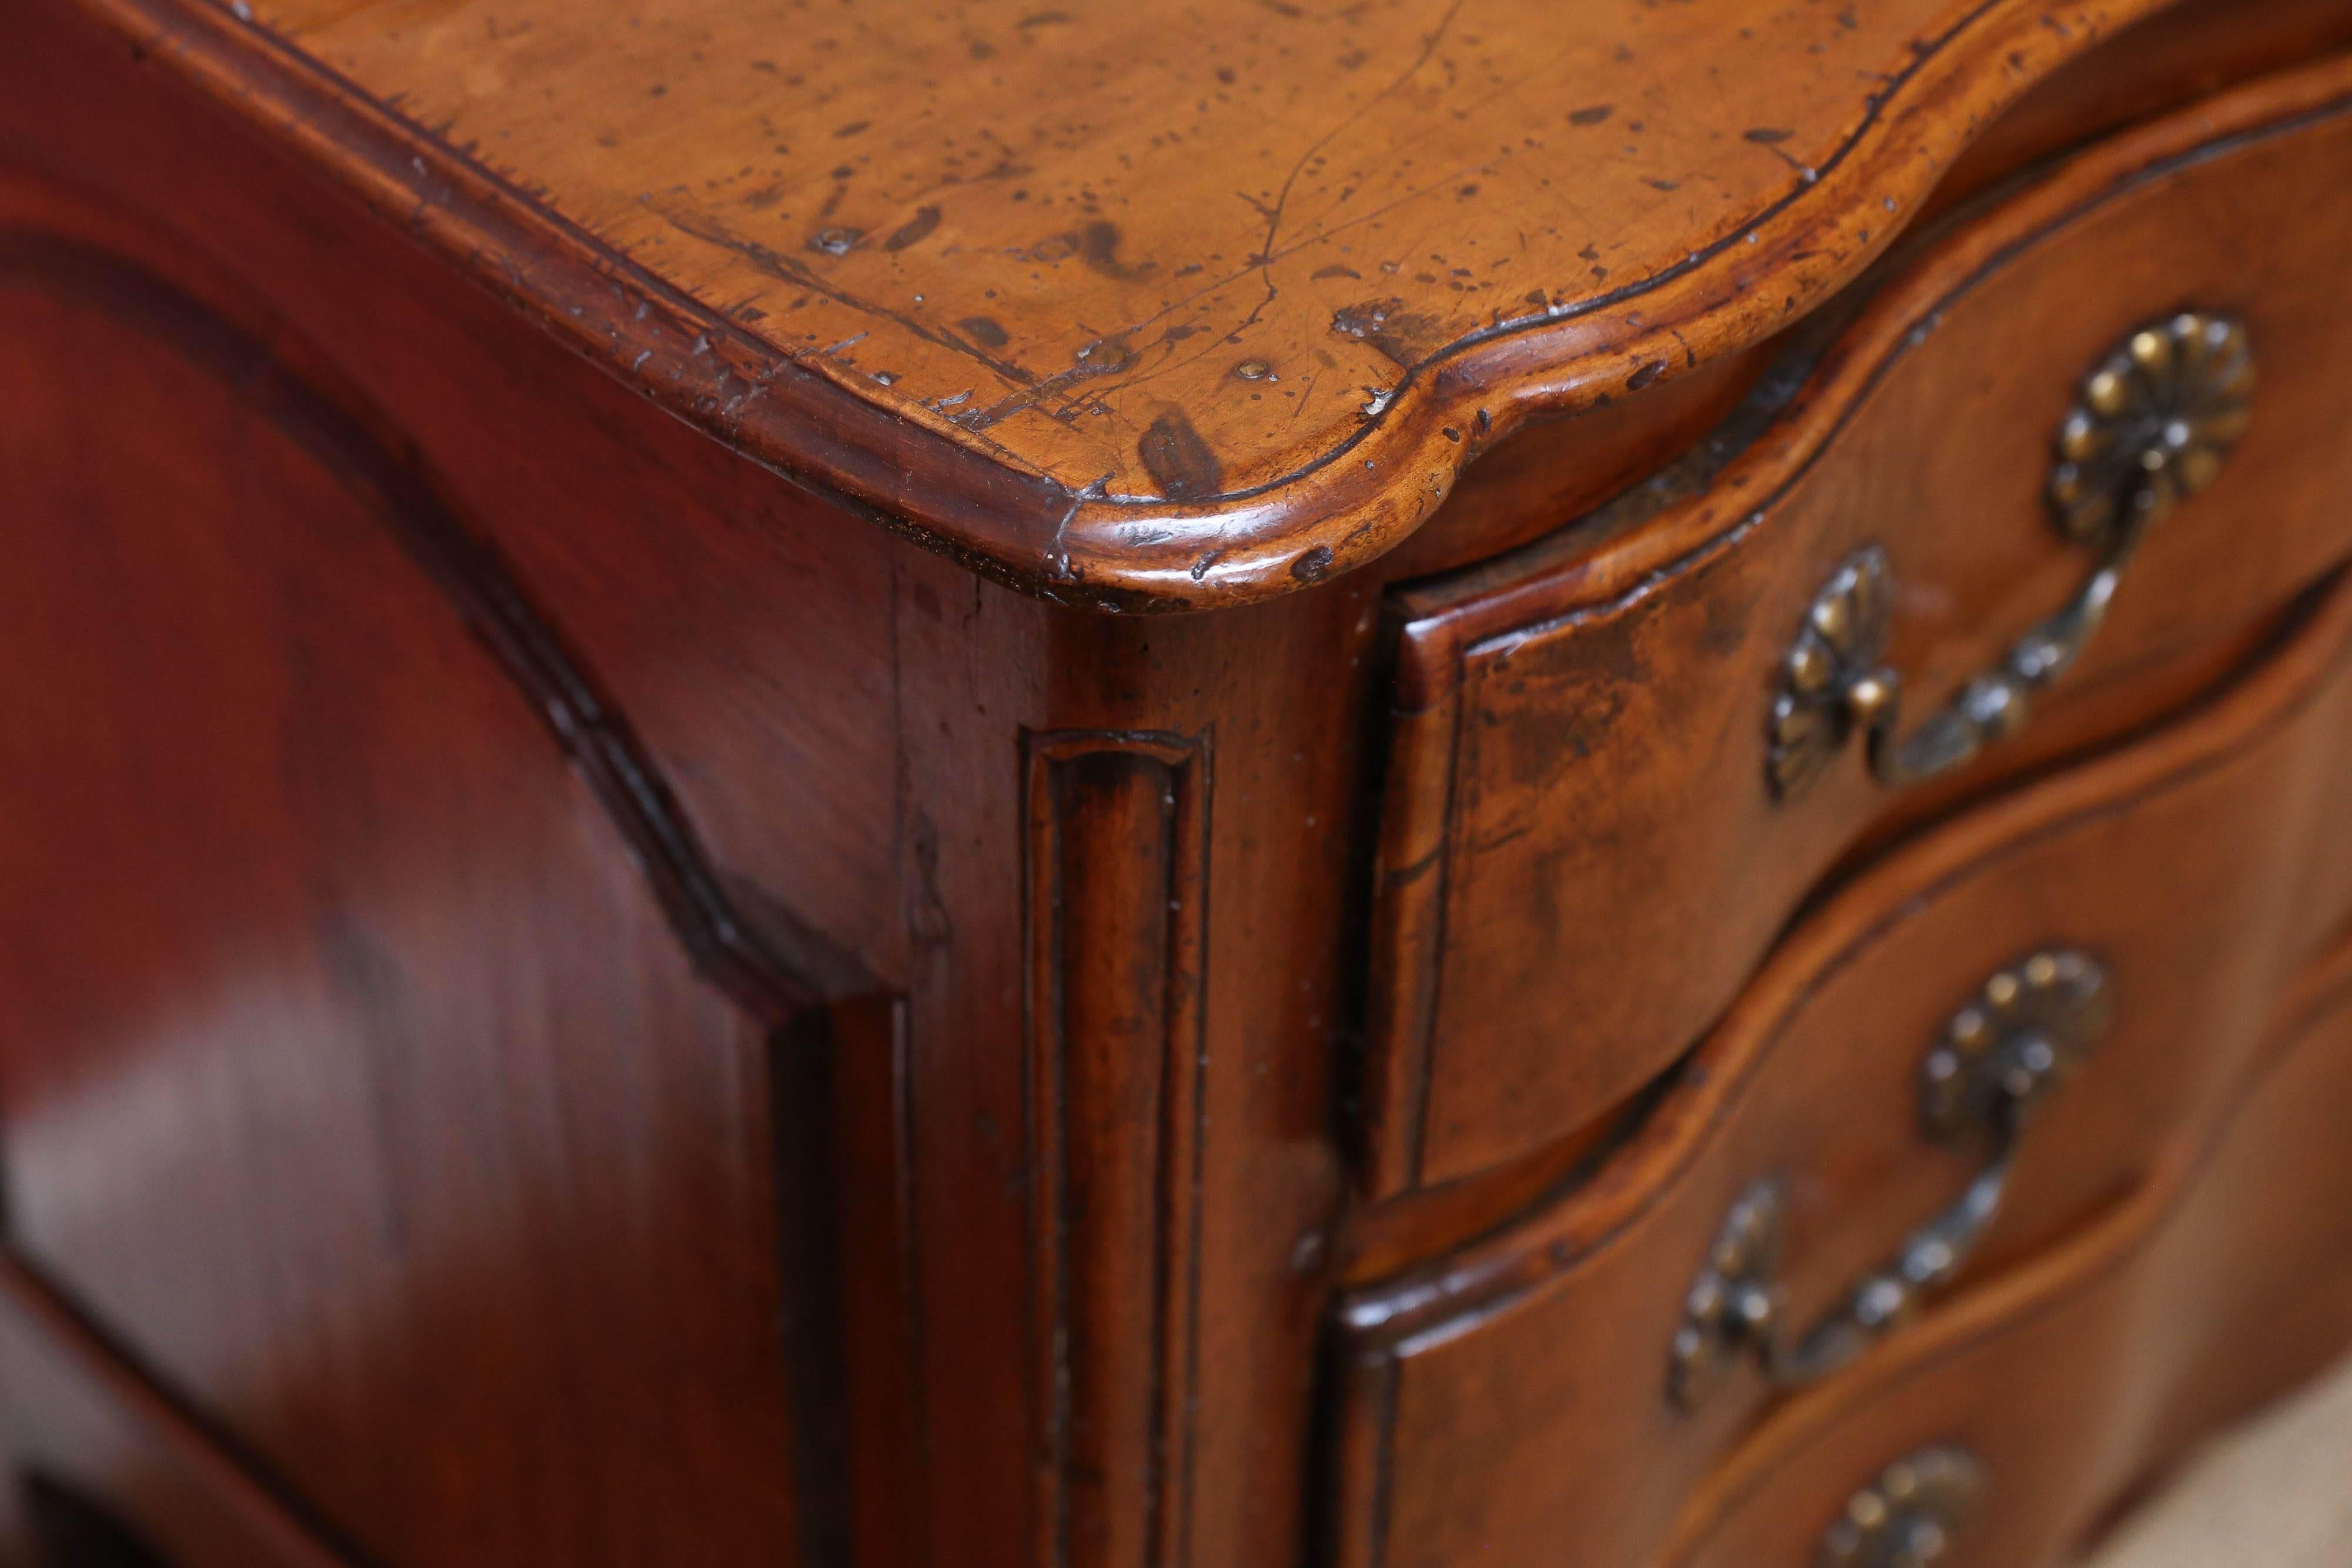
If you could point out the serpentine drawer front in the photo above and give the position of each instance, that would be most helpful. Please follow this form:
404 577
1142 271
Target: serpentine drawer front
2069 439
2021 1415
1834 1153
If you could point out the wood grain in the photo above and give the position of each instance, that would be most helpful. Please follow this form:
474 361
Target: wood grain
2219 1284
1080 269
96 1462
1576 815
1514 1394
568 1313
1118 903
306 1010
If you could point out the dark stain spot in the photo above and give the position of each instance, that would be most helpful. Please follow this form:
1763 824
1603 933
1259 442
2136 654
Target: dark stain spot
924 220
853 128
1407 337
982 330
1097 246
1336 270
834 241
981 50
1657 184
1646 375
1468 190
1313 564
1765 136
1353 59
1593 116
1044 18
659 89
1179 461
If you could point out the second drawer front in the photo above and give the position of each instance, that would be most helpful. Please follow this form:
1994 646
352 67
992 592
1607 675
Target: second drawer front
1520 1398
2056 1396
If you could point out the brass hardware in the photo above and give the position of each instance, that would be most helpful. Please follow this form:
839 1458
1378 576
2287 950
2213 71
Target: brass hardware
1910 1516
2153 421
2025 1032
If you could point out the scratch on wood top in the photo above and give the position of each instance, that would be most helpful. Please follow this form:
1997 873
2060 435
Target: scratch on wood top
1119 245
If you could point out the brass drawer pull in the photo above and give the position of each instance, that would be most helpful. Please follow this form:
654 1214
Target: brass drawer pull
2026 1032
1910 1515
2155 419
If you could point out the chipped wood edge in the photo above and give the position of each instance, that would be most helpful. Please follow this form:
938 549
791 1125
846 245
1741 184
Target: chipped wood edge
1023 528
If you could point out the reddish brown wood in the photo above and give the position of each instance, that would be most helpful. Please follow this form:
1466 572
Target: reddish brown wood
1514 1395
2190 50
803 1103
1108 450
96 1462
1118 903
288 849
2217 1285
1575 814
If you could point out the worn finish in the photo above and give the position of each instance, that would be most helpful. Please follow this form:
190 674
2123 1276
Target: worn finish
1515 1393
1556 825
590 1002
970 223
2221 1280
1117 902
2024 1033
2156 416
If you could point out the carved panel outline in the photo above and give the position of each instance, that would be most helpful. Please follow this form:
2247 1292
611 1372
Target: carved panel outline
817 1007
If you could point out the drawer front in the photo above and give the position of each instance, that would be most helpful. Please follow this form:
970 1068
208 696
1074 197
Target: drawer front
2222 1284
100 1473
1585 850
1543 1386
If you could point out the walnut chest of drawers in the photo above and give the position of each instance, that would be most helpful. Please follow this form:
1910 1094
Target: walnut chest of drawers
1218 786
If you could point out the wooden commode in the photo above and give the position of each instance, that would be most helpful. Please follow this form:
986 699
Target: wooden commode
1246 785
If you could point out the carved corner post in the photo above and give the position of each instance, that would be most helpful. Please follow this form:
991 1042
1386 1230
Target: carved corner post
1117 914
